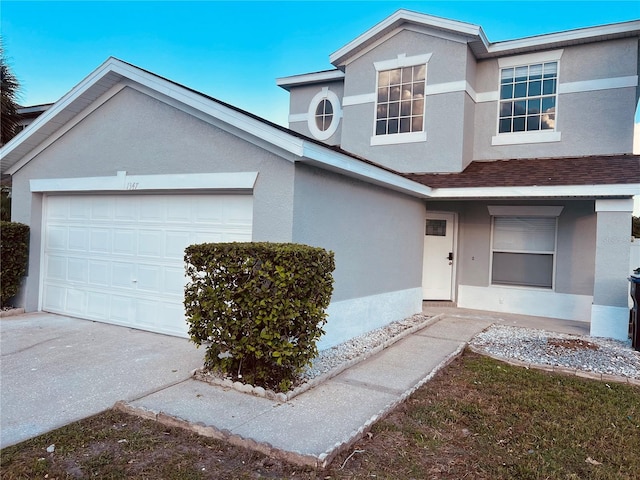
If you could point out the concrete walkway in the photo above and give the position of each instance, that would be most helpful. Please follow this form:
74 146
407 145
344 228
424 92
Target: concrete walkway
312 428
57 369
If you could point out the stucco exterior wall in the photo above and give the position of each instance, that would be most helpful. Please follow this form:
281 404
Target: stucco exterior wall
594 114
575 251
300 102
591 121
144 136
376 236
445 112
572 294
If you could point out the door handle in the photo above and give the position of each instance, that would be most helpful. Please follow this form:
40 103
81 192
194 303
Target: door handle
450 257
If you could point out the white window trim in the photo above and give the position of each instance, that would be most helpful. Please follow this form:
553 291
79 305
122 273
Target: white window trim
524 211
537 57
399 138
519 138
331 97
537 136
400 61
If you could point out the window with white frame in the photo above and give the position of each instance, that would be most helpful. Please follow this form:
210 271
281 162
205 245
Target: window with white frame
400 100
324 114
523 251
528 96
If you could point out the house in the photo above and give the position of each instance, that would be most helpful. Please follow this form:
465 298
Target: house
29 113
435 164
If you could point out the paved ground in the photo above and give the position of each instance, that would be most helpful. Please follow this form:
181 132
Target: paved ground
312 428
55 370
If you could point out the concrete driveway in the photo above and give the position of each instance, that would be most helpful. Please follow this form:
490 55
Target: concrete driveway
55 370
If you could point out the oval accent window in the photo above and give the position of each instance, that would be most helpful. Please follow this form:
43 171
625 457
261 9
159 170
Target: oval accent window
324 114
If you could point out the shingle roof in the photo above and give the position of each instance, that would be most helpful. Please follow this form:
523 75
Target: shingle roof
588 170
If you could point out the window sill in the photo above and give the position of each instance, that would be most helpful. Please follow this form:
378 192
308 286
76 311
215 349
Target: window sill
522 287
525 137
399 138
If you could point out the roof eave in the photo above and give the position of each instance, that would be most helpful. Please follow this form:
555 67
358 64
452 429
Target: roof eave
310 78
586 191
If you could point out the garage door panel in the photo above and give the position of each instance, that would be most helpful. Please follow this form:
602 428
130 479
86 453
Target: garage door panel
175 243
58 208
149 278
124 242
97 306
179 211
56 267
122 275
78 238
99 273
174 280
120 258
54 298
77 210
151 243
100 210
125 210
100 240
77 270
75 301
56 238
122 309
151 210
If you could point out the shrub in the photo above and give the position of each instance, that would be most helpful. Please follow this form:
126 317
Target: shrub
14 252
260 305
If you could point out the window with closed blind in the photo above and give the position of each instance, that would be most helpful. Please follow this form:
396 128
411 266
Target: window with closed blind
523 251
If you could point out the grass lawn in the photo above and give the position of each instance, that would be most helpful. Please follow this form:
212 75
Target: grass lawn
478 419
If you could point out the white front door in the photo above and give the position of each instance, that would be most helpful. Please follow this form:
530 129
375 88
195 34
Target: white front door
120 258
438 257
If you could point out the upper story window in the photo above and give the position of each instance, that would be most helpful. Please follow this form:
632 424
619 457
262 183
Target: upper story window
324 114
400 100
528 97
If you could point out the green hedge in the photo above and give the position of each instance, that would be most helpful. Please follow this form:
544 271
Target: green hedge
260 305
14 253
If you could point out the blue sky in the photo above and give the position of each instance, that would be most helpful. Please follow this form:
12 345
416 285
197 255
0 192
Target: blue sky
234 51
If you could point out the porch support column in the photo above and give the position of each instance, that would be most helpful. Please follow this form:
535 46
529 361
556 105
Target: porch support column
610 311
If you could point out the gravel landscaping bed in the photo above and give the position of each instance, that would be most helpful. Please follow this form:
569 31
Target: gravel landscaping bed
362 346
540 347
524 345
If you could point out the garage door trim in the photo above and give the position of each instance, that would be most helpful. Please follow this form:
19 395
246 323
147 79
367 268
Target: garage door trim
121 182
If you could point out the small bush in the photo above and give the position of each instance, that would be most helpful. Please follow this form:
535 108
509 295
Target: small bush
14 252
260 305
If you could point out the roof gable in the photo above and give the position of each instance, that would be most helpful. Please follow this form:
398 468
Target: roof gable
405 19
476 38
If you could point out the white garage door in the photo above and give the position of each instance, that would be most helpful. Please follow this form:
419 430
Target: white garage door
120 258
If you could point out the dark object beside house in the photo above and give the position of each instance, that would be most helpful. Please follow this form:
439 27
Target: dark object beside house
634 320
